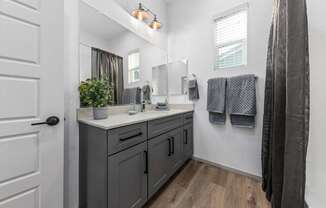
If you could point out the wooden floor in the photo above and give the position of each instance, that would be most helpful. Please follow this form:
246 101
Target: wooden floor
199 185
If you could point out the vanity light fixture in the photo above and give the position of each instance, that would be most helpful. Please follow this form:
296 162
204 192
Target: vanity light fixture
142 13
155 24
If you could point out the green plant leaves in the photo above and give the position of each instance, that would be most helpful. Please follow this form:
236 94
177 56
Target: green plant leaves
95 93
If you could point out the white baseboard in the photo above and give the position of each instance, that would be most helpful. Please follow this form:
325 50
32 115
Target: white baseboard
233 170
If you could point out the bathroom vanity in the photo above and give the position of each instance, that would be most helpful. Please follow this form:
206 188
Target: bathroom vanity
125 160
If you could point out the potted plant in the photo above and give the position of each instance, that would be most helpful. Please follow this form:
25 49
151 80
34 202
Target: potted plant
96 93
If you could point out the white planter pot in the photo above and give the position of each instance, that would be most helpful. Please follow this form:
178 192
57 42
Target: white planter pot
100 113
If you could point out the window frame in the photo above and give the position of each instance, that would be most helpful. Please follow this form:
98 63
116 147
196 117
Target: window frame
223 15
131 70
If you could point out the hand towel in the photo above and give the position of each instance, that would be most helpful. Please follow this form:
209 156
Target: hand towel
241 100
193 90
216 100
147 92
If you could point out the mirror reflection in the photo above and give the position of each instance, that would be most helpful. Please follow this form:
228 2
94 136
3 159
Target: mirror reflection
178 72
111 52
170 79
160 80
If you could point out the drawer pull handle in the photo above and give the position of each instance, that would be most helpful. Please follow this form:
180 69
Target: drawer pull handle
131 137
170 153
146 162
172 145
186 136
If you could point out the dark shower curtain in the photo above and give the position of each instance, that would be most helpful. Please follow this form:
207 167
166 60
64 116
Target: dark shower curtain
109 66
286 113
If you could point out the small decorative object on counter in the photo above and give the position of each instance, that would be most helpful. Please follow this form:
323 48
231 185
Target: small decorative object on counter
96 93
162 106
143 106
133 109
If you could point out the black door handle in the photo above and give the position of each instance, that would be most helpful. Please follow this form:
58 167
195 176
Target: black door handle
51 121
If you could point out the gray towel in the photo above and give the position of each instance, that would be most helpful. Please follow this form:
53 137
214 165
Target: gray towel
216 100
131 96
193 90
147 91
241 100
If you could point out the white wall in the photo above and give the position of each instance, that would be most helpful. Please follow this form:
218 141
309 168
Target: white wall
191 36
316 166
85 62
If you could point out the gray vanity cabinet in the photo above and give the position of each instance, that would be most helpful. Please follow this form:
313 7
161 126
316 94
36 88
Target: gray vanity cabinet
124 167
128 178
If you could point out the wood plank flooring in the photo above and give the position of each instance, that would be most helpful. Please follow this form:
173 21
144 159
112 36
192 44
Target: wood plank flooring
200 185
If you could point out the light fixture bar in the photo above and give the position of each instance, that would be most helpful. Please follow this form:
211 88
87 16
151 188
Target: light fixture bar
142 13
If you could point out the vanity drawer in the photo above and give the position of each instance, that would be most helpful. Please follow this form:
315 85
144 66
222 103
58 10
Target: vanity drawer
188 118
125 137
160 126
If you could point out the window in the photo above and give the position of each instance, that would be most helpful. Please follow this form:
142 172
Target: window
231 39
134 66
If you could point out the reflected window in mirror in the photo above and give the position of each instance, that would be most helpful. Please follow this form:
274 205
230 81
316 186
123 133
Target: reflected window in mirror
134 66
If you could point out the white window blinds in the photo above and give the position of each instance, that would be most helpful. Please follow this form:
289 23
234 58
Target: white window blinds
231 40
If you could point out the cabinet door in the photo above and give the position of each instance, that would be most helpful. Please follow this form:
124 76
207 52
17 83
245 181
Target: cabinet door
176 159
128 178
188 141
159 153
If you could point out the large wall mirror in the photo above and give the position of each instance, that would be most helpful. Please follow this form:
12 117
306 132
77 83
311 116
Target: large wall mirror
126 60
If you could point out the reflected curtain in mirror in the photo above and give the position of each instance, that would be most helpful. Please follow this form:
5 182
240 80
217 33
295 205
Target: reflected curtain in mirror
109 66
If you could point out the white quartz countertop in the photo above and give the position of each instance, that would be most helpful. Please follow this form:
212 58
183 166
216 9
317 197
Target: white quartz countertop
124 119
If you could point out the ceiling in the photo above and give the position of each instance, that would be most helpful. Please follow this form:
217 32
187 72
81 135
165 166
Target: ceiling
92 22
168 1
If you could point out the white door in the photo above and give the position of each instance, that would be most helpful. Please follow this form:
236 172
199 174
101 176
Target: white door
31 90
